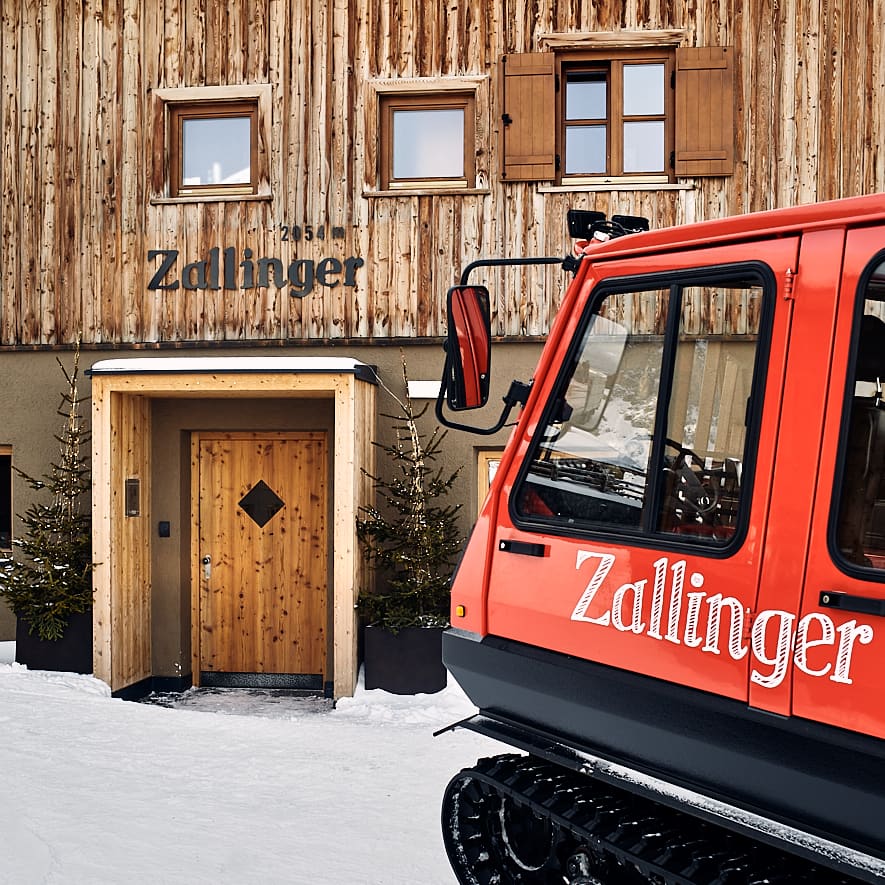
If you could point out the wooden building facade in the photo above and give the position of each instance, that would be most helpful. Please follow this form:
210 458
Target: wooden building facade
365 152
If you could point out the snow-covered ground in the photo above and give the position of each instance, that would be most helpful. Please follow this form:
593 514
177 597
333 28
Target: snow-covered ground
98 790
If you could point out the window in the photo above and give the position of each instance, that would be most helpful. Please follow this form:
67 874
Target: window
5 498
210 143
861 521
487 463
648 431
595 111
427 140
213 148
617 118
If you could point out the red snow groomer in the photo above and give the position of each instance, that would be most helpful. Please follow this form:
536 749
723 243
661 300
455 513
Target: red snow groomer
673 601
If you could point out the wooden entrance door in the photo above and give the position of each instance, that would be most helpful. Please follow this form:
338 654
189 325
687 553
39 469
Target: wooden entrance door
260 568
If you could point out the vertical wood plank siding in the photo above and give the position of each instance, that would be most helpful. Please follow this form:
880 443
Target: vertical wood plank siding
80 155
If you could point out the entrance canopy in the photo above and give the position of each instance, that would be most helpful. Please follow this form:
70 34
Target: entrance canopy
124 466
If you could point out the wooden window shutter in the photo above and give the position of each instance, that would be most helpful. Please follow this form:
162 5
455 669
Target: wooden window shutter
528 128
705 117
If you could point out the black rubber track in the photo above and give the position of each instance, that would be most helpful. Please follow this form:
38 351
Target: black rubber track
517 819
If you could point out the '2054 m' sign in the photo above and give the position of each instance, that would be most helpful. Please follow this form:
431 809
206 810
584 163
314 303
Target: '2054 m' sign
226 269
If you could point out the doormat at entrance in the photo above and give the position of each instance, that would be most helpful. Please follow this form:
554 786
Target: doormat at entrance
267 703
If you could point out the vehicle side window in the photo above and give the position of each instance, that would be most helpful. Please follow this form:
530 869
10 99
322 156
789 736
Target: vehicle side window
649 431
861 521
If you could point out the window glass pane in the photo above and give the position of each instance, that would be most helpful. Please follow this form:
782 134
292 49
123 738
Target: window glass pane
644 146
5 500
861 527
592 463
428 143
706 425
216 150
585 96
643 90
585 150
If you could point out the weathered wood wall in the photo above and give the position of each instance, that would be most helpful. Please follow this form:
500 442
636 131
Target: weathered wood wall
78 140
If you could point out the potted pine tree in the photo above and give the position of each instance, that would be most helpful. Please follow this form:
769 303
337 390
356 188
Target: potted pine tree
409 540
47 581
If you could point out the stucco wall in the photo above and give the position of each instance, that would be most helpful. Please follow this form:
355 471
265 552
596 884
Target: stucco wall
31 394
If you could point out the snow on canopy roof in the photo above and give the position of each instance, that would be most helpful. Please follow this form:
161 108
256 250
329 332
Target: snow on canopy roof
233 365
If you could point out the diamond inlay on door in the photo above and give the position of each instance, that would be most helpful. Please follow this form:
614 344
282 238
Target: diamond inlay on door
261 503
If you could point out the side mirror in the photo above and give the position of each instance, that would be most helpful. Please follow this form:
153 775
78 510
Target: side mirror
468 347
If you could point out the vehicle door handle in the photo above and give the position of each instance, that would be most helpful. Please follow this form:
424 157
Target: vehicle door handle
863 605
207 567
523 547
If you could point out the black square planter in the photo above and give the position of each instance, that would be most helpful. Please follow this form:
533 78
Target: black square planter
72 653
408 662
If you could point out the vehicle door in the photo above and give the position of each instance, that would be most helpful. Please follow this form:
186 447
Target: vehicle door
840 631
632 518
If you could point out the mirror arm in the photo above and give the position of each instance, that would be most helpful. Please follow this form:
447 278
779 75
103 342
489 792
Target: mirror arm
517 395
508 262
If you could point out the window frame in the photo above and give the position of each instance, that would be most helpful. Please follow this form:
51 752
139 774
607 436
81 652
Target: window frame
187 101
648 533
391 102
7 512
179 114
612 62
485 459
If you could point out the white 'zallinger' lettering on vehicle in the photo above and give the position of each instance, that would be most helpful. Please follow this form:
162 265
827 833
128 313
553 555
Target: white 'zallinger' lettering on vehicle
662 618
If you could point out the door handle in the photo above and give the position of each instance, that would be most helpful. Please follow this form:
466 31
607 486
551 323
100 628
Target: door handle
207 567
524 548
862 605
